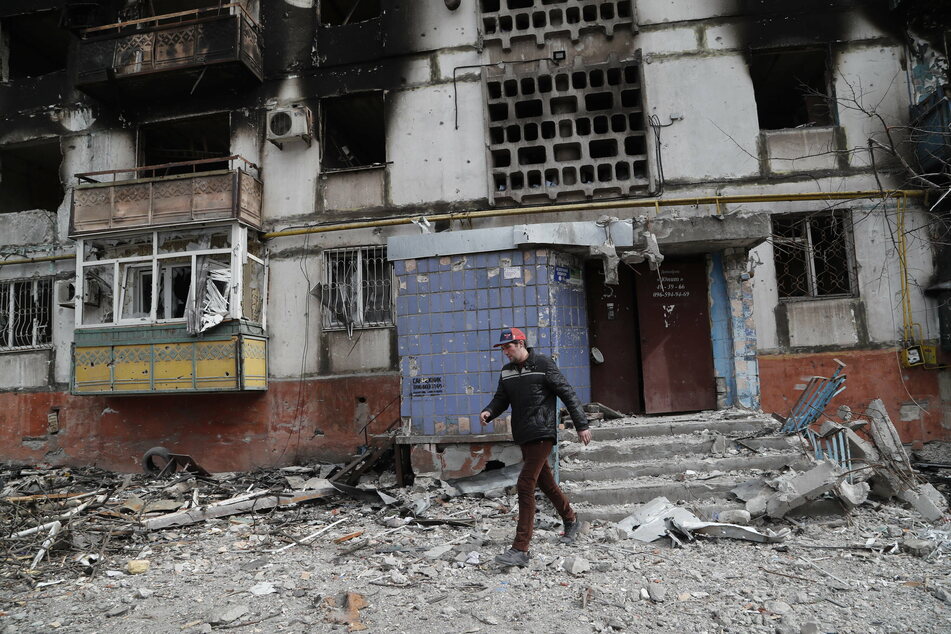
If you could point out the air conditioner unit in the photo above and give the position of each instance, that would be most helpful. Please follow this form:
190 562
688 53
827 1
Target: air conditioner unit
65 293
289 124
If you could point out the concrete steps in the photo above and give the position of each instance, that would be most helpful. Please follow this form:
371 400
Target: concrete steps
694 459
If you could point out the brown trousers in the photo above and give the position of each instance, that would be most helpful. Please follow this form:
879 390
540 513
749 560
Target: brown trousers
536 473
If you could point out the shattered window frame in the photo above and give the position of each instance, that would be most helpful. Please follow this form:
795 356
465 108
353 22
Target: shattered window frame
357 289
124 283
26 314
814 255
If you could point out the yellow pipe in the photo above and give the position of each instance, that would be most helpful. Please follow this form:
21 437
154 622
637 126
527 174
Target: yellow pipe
45 258
602 205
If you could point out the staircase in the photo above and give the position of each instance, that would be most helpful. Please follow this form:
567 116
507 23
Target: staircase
695 459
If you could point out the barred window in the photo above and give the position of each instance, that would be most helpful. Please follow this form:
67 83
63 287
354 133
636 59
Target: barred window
813 255
356 292
26 314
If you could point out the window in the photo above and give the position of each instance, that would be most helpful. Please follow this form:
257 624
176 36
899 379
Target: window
792 88
35 45
340 12
356 291
29 177
813 255
193 139
26 314
354 134
172 276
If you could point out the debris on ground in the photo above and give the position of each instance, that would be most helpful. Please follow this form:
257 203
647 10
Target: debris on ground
296 549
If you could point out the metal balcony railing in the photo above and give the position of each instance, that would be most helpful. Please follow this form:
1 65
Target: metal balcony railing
221 40
166 195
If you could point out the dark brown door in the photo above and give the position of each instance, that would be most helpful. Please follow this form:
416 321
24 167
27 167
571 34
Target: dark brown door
674 328
612 330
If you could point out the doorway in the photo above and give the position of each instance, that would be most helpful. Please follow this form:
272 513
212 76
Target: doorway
652 330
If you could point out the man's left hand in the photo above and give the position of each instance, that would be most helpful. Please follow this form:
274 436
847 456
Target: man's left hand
585 436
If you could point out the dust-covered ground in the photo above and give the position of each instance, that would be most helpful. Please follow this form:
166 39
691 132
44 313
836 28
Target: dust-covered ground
882 569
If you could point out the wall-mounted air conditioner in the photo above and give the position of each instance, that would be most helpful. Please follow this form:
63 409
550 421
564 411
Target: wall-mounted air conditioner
289 124
66 293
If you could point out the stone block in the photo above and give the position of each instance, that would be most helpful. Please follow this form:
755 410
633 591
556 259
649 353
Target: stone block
803 488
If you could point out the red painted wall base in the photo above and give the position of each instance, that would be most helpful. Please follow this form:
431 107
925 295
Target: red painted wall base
911 395
294 421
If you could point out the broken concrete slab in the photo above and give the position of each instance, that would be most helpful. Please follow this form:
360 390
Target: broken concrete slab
887 440
918 547
925 499
798 490
852 495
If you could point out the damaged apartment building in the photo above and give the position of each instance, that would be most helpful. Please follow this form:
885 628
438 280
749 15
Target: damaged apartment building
269 231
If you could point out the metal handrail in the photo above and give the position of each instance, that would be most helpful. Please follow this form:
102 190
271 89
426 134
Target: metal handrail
166 16
87 176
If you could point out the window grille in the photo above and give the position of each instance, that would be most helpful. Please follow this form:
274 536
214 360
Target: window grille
813 255
356 292
26 314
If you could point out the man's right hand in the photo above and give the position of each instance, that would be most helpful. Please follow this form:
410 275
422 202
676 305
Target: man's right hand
484 417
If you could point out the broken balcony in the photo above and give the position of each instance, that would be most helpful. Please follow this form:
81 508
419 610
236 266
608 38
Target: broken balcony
178 54
161 195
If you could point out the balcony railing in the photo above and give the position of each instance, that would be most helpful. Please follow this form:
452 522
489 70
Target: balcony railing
203 49
145 197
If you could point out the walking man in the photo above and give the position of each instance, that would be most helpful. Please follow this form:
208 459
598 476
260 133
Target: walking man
529 383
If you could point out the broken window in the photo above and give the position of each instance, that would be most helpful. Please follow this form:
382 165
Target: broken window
29 177
198 140
353 131
792 88
32 45
813 255
168 276
356 289
26 316
340 12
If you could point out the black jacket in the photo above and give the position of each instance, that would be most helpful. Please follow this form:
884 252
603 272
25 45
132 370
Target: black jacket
531 390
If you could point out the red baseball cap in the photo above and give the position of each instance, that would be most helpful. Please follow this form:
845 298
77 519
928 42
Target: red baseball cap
509 335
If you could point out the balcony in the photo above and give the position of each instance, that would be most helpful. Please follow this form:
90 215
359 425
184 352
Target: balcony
156 196
931 130
202 51
165 359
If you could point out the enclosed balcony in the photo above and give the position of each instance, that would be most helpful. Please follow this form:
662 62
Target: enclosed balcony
200 51
172 194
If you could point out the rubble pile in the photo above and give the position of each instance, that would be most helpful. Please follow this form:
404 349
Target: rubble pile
815 549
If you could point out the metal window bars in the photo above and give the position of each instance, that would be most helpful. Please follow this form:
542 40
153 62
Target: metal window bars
26 314
357 290
812 255
834 446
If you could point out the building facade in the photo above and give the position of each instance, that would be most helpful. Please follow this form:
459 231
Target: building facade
271 231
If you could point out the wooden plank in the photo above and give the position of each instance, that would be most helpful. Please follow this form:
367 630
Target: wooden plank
234 506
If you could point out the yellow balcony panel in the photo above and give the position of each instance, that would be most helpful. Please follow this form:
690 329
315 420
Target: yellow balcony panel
164 359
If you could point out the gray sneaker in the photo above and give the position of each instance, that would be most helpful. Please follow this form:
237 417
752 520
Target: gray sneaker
571 532
512 557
